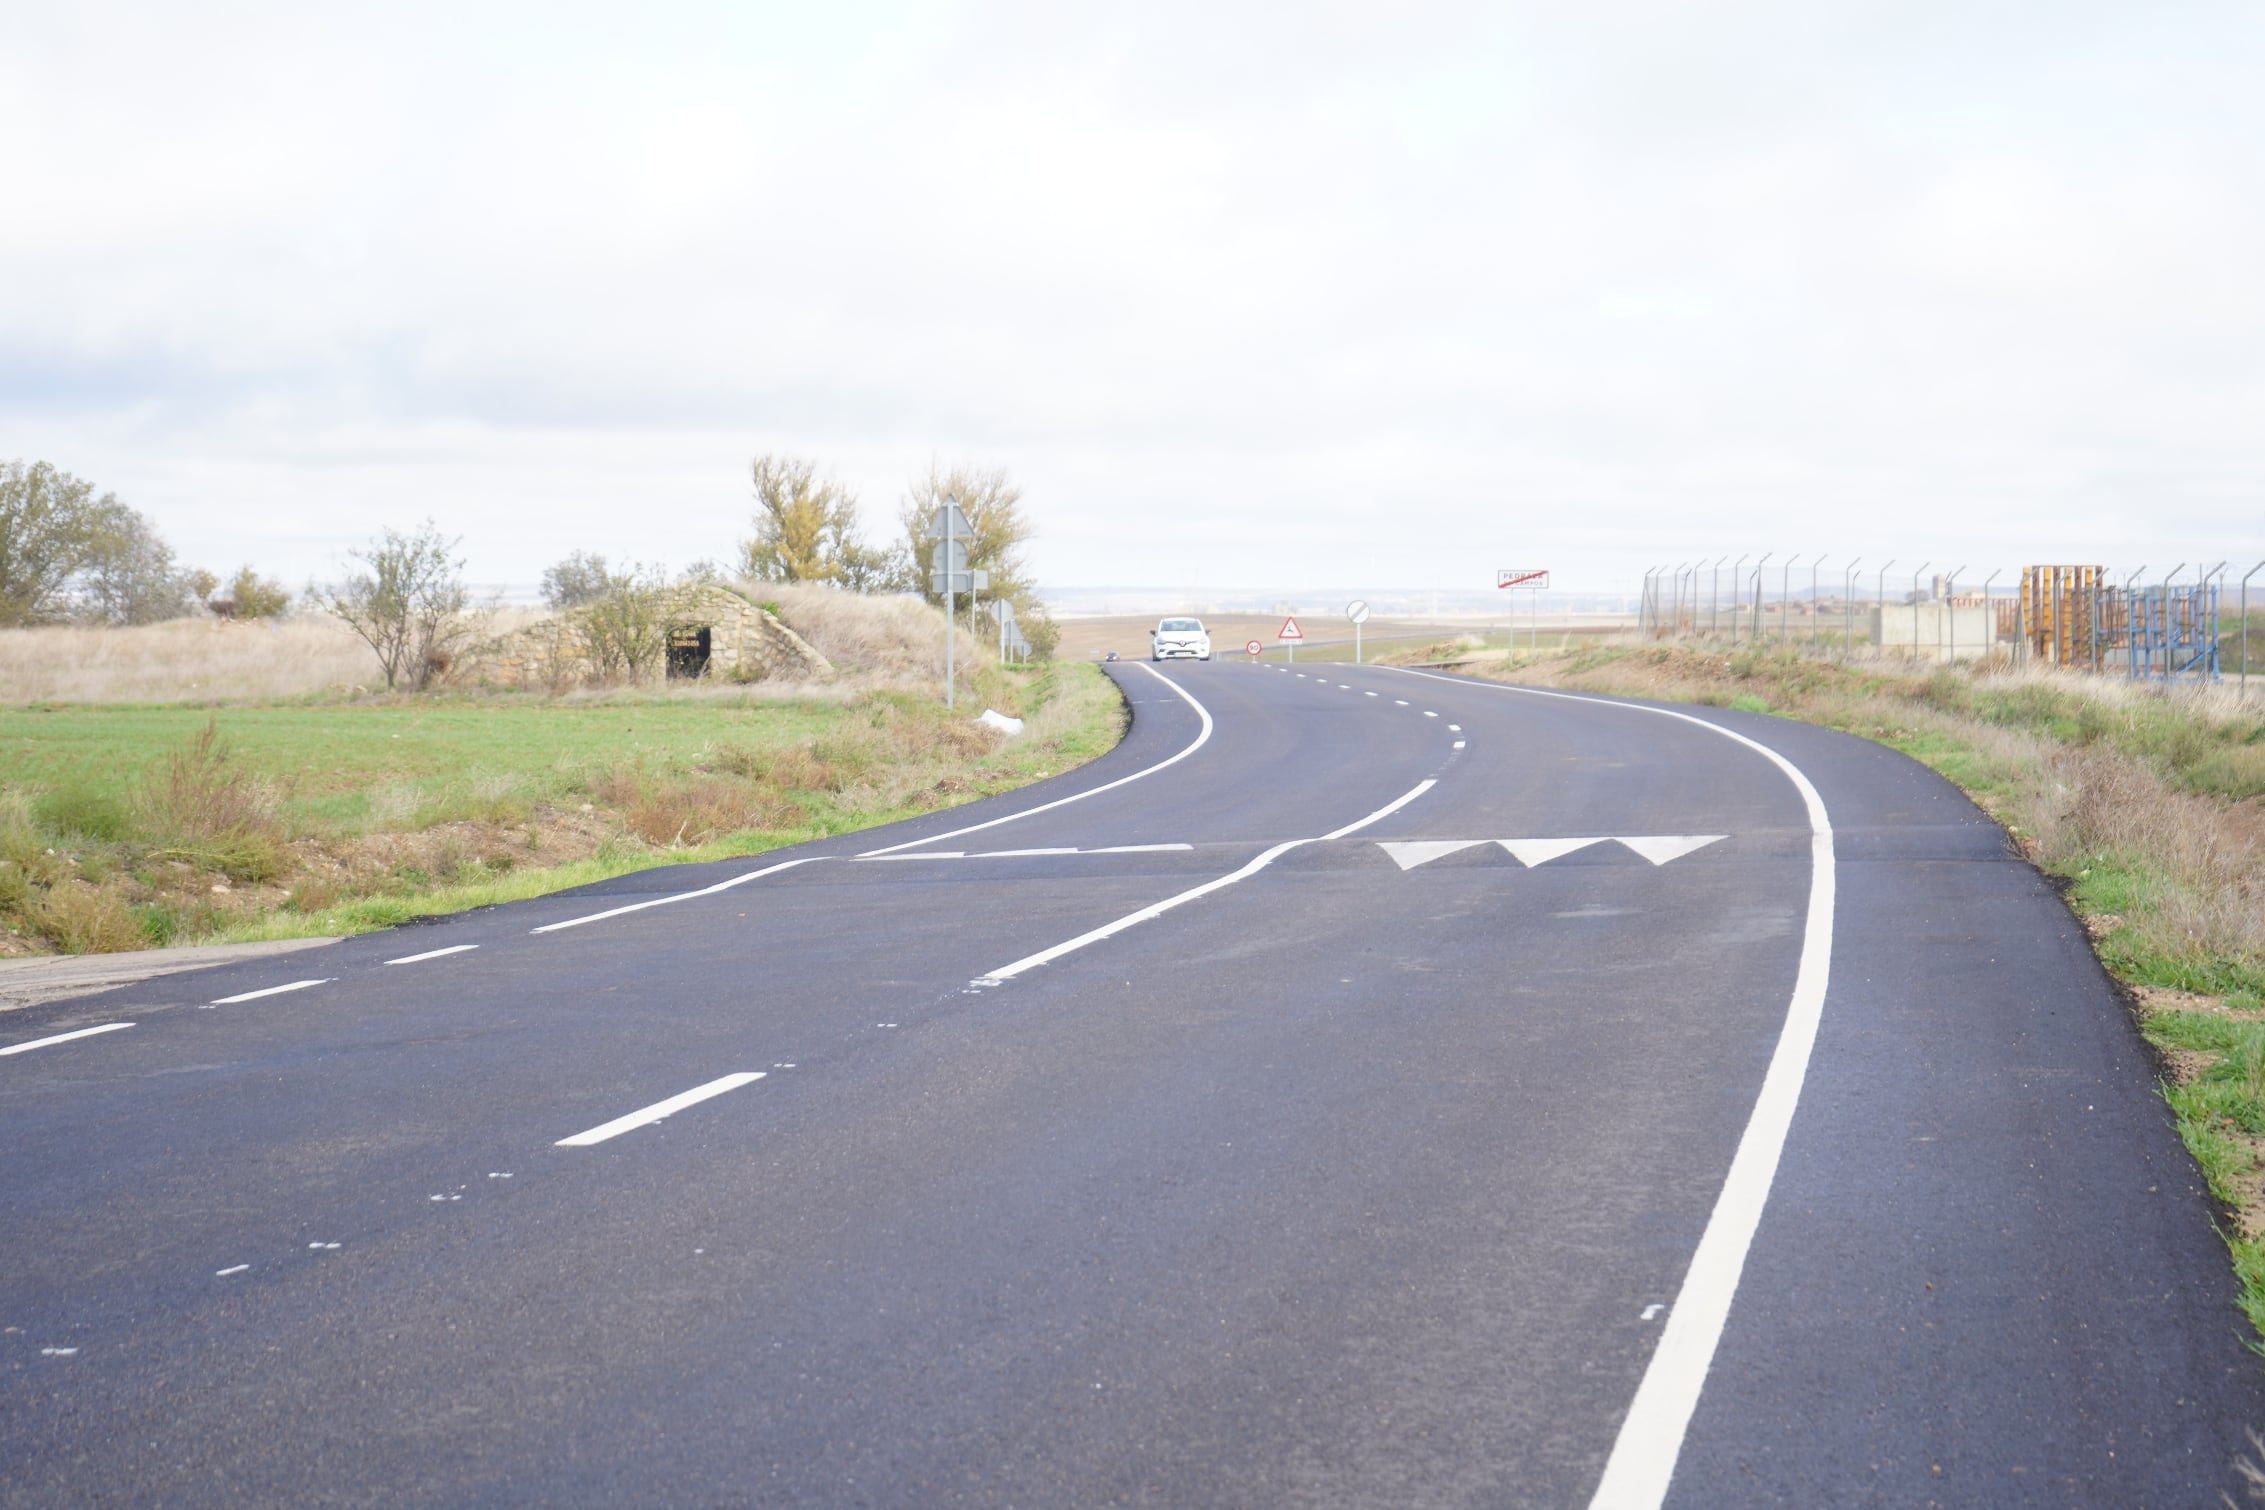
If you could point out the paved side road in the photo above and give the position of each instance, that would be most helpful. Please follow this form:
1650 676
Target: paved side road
1340 1094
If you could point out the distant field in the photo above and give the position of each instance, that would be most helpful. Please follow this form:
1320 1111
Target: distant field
1127 634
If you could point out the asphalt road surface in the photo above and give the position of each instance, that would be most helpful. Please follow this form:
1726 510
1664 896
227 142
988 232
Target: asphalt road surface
1359 1088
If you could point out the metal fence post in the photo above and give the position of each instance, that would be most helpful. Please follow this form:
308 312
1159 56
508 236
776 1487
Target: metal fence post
1848 605
2253 571
1915 611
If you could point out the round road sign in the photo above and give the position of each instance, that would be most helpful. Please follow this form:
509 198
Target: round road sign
1253 647
1357 611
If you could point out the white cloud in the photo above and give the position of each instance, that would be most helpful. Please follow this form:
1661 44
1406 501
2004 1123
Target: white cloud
1360 297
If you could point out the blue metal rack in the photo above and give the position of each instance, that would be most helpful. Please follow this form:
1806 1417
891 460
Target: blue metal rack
2173 631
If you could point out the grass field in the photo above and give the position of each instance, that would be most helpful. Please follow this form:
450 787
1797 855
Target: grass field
2145 803
309 808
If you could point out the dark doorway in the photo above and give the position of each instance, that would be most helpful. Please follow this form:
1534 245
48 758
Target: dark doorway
688 652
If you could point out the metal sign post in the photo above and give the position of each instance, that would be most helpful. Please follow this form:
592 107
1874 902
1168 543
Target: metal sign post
952 577
1533 582
1357 611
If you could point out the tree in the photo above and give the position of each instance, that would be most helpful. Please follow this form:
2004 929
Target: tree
128 575
993 505
575 581
804 524
625 623
249 596
409 605
48 525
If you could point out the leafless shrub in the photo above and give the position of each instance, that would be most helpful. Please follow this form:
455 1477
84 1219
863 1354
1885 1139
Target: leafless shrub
203 807
84 919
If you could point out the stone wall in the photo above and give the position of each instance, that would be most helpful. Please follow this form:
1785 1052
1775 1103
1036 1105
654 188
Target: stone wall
746 642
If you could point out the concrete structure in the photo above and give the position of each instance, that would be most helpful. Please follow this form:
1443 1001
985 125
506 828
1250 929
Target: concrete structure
1931 630
710 631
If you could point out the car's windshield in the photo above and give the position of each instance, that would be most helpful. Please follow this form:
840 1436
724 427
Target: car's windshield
1169 625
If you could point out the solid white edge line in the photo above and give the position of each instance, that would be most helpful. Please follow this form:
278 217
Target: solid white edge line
660 1109
412 959
297 985
1202 737
1158 909
1642 1464
681 896
41 1043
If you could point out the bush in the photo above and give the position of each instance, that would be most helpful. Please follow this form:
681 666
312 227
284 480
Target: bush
205 809
85 919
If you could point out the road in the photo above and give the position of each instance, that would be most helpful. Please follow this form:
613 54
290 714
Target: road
1361 1087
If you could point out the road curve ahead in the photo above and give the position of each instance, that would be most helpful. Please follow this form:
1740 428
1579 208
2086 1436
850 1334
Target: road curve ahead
1361 1087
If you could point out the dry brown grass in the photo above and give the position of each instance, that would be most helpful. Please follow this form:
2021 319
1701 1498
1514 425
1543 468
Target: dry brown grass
192 660
892 636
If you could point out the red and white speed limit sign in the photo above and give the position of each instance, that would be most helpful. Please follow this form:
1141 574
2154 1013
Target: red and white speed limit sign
1254 648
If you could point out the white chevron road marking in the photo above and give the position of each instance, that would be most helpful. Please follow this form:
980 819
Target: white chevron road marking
1657 848
1408 854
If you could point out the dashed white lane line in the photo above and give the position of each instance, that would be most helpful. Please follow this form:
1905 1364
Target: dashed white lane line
1429 714
1458 744
297 985
224 1273
1158 909
681 896
1139 849
660 1109
41 1043
937 854
1368 694
1203 736
414 959
1399 702
1454 728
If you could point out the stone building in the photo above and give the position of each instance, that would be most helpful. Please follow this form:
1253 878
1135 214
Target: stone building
706 630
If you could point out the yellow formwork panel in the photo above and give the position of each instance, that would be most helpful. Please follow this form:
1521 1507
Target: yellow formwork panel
2062 610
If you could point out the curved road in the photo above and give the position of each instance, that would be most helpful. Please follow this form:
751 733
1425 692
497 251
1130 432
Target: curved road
1361 1087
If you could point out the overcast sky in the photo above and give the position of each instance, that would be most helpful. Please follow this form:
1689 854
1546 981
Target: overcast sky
1242 295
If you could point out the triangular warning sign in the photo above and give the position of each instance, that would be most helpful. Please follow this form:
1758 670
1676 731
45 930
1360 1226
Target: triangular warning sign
1661 848
1532 852
1290 631
1410 853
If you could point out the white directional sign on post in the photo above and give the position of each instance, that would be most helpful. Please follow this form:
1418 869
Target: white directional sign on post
1290 634
1357 611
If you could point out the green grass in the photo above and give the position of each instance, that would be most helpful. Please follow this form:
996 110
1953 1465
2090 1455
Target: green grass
103 807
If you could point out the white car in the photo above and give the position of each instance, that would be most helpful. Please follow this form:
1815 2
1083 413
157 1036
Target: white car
1179 639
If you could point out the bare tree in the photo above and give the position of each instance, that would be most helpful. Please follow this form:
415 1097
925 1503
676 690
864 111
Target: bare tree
409 604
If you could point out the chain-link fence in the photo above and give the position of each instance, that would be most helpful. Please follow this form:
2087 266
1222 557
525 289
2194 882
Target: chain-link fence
2195 621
